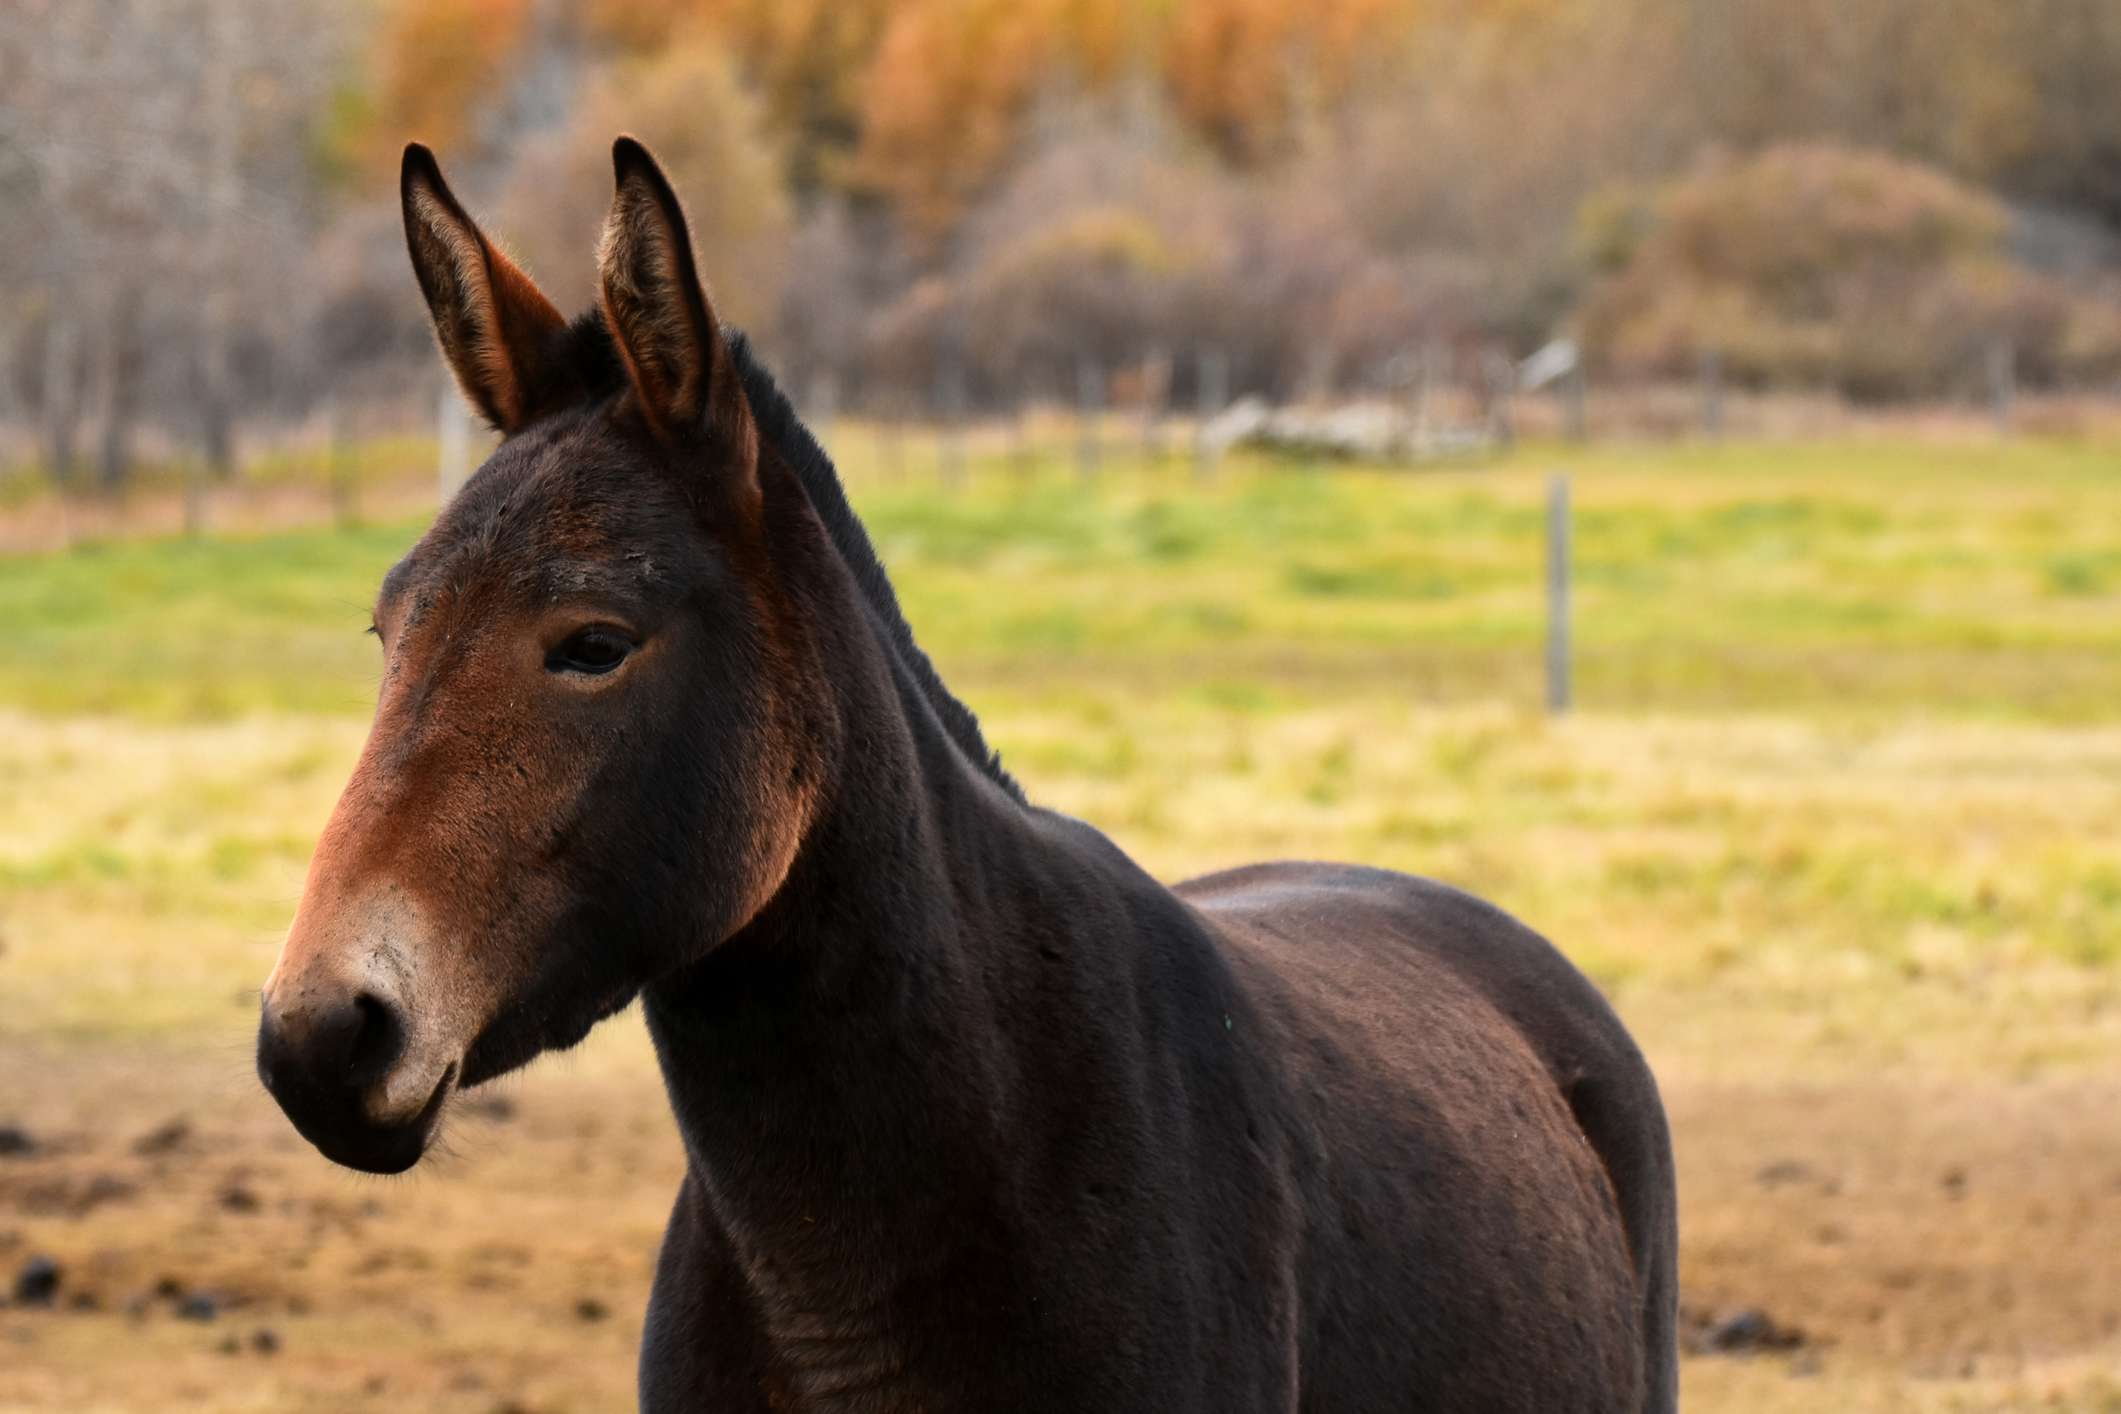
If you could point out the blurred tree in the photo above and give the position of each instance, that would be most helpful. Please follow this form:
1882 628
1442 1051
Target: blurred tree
434 65
1504 121
195 211
2025 95
161 160
1241 72
687 104
950 82
2065 108
808 59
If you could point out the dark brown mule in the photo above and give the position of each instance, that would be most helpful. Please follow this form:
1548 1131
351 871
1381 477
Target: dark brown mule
979 1116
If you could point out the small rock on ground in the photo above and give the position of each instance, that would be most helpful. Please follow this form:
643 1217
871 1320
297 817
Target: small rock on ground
37 1284
1739 1331
164 1139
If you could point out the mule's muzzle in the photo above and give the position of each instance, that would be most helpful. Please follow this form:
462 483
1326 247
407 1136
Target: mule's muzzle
326 1062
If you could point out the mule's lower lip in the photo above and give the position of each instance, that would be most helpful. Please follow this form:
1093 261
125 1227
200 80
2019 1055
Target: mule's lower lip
357 1143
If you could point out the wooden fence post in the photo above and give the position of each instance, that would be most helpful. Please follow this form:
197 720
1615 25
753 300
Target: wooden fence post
1212 394
950 434
1022 402
2003 385
1090 402
1558 594
824 406
891 456
1712 395
452 442
338 469
1576 399
194 499
1432 370
1156 389
1498 376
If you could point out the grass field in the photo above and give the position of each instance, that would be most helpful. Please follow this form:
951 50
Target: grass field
1837 823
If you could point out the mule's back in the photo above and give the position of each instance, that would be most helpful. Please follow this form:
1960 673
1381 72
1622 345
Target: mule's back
1477 1139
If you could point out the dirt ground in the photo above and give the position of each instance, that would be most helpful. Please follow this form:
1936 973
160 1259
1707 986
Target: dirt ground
1912 1247
1837 825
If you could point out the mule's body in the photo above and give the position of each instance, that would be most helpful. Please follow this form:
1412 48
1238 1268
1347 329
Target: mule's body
978 1116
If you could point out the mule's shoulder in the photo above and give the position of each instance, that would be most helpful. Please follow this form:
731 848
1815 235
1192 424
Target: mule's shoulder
1302 889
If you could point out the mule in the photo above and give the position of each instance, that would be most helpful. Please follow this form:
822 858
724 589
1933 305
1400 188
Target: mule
977 1115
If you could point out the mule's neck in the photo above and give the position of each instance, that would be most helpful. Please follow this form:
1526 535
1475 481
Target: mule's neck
842 1069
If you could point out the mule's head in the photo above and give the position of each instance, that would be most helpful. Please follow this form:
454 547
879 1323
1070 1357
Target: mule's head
602 724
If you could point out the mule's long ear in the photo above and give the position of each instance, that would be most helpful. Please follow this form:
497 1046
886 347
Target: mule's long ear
493 322
658 311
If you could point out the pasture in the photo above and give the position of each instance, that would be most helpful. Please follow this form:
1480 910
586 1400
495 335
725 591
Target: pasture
1837 823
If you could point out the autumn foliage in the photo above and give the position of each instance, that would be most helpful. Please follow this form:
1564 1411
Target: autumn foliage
1872 197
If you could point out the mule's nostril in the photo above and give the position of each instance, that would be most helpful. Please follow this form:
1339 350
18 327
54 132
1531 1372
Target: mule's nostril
338 1050
376 1038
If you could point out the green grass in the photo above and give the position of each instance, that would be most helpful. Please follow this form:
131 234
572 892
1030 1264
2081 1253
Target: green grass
1896 580
1848 762
1837 825
196 629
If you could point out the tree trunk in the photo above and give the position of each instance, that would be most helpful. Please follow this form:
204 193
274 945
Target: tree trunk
61 399
224 197
217 432
118 381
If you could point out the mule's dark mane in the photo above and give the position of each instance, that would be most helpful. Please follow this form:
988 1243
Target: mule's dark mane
781 429
596 358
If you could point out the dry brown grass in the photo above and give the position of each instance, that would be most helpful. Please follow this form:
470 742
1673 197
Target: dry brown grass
1899 1144
1840 832
1942 1246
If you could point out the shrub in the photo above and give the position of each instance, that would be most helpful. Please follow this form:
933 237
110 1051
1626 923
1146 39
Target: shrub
1817 265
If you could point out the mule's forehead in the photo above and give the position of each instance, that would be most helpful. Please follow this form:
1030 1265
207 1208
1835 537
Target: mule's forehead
563 512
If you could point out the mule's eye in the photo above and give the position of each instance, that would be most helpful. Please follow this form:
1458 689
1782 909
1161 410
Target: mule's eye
592 650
